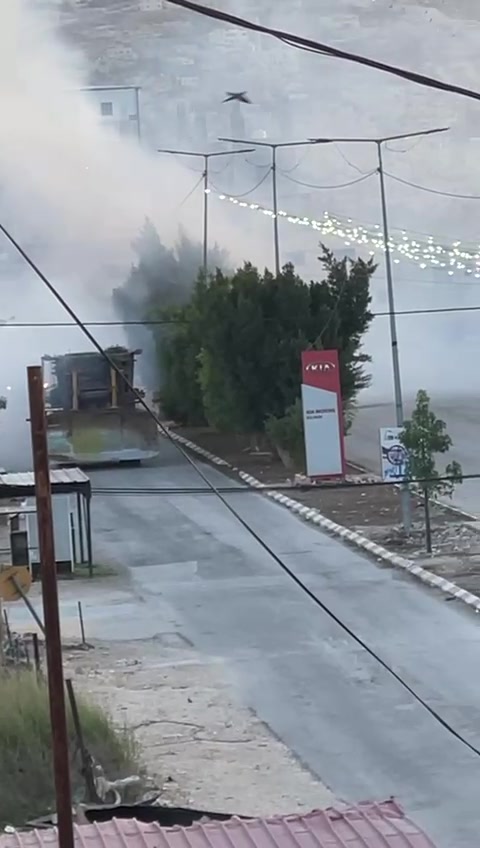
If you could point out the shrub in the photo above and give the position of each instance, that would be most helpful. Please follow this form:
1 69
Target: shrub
26 775
286 434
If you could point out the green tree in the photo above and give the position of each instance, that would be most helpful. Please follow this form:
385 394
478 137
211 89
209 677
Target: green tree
249 330
424 436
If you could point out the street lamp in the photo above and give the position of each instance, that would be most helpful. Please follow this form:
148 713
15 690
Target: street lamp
206 190
274 147
397 383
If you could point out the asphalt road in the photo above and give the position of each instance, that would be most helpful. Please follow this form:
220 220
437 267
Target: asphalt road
342 714
462 416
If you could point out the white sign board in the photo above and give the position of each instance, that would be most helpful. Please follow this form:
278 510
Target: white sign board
322 414
393 455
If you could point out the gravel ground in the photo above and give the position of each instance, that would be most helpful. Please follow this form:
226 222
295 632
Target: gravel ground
200 745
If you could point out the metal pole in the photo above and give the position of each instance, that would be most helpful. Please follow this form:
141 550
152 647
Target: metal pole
82 625
80 528
2 634
397 383
205 217
28 604
275 211
48 573
87 764
137 105
88 526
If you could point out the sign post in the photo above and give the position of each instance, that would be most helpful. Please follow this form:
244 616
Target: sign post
322 414
393 455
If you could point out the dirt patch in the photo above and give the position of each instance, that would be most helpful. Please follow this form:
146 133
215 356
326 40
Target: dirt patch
199 746
355 504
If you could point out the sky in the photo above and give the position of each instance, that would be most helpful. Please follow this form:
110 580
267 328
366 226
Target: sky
76 194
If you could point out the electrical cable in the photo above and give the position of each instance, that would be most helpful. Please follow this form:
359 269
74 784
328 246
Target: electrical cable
347 160
414 144
327 187
172 321
285 568
245 193
257 164
432 190
192 191
326 50
273 487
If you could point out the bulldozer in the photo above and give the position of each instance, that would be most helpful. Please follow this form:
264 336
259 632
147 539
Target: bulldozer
93 416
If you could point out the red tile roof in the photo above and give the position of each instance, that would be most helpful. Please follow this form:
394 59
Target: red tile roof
364 826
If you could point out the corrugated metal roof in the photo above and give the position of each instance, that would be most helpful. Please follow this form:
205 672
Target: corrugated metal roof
364 826
58 477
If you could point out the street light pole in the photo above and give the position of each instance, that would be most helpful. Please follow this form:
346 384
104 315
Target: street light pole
206 192
273 169
397 382
206 189
276 240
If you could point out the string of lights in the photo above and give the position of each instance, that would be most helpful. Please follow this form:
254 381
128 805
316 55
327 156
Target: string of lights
425 253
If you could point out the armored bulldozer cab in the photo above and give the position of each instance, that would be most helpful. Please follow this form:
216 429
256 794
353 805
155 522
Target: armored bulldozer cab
92 413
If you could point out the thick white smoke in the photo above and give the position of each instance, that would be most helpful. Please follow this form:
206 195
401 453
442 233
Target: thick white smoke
317 96
76 194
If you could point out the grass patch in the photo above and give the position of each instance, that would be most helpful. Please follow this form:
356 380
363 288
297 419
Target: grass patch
26 777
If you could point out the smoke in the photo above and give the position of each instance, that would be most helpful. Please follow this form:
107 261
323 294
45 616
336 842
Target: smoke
302 95
76 195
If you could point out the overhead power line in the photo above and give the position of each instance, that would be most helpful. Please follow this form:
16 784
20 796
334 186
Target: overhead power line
250 190
245 488
191 192
361 179
326 50
432 190
167 322
285 568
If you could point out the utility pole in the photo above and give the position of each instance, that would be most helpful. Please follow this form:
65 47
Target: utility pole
206 185
397 381
48 573
274 147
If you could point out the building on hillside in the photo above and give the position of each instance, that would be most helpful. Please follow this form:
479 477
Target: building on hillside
117 106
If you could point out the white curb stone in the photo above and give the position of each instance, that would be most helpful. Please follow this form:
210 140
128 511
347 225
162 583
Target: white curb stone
313 515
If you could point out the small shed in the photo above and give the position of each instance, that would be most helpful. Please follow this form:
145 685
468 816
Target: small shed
71 509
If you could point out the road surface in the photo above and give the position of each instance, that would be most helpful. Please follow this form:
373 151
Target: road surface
462 416
342 714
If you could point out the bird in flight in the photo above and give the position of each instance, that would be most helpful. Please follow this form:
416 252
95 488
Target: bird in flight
241 96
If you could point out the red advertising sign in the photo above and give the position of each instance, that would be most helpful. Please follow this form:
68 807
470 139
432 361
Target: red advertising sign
322 414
